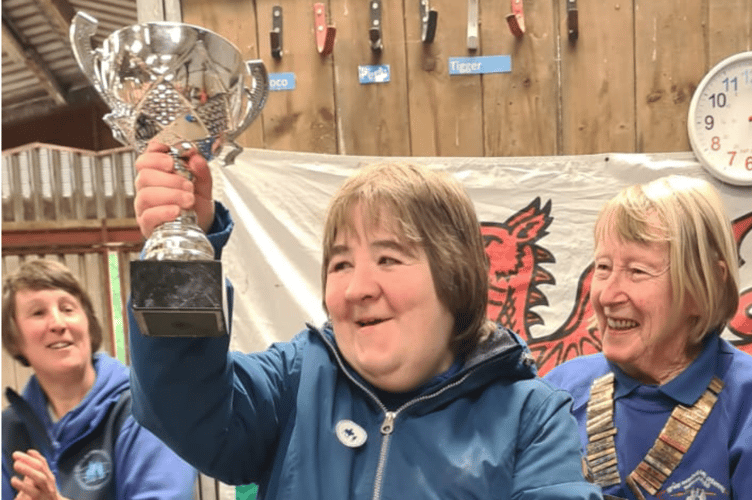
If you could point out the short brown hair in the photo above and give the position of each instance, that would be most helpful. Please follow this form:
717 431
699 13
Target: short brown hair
430 209
43 274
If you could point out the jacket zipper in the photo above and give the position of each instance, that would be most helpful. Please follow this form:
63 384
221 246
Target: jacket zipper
387 426
386 430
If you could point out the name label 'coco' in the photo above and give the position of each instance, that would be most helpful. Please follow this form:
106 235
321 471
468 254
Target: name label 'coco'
282 81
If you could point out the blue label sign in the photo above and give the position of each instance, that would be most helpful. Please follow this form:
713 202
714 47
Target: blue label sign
479 65
282 81
374 74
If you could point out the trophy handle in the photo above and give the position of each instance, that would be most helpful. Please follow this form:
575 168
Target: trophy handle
83 27
256 96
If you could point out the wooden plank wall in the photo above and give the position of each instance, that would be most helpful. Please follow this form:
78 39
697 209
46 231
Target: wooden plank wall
44 183
623 86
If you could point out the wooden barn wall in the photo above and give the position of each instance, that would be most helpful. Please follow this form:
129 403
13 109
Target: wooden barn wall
624 85
77 127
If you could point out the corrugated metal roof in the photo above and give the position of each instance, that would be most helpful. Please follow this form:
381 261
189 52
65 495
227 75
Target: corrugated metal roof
39 72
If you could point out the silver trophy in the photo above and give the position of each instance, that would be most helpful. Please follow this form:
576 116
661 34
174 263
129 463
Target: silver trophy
184 86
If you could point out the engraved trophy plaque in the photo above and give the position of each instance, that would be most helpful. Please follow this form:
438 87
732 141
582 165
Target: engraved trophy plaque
183 86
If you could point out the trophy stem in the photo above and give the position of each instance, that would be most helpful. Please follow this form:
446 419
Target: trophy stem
181 239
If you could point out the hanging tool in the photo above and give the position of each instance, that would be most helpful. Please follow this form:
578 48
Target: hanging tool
324 33
516 20
572 20
374 33
275 35
428 20
472 24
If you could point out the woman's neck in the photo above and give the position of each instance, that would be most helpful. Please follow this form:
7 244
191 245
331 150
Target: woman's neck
666 371
67 392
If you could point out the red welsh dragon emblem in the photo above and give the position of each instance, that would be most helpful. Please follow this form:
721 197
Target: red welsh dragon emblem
515 274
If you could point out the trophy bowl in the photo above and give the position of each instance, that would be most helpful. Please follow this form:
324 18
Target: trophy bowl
184 86
171 81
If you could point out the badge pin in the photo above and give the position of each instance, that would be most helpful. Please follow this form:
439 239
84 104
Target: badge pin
350 434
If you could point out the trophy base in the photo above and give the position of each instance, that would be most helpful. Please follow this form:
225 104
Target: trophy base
178 299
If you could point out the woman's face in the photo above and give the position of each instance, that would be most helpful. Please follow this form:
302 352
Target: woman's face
54 331
631 293
388 321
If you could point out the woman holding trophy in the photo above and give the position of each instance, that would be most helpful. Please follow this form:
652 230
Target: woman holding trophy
408 391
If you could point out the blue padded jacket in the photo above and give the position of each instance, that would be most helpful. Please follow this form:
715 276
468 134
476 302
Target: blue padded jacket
297 420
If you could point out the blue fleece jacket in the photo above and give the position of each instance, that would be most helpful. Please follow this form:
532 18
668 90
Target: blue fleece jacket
137 467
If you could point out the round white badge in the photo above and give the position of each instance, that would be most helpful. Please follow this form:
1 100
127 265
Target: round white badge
350 434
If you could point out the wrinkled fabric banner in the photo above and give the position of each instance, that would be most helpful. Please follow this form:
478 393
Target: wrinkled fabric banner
537 215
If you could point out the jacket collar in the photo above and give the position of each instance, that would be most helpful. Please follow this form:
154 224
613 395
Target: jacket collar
111 380
686 387
504 355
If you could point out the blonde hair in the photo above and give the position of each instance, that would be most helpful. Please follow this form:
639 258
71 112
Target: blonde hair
432 210
42 274
688 214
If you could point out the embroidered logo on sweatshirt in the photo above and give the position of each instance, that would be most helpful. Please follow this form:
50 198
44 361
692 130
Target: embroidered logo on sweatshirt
699 486
94 470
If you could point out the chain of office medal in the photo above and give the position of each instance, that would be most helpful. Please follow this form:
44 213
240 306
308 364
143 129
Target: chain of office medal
672 443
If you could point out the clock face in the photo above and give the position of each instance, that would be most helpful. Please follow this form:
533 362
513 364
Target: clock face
720 120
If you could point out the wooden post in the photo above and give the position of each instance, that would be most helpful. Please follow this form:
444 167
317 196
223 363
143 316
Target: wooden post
158 10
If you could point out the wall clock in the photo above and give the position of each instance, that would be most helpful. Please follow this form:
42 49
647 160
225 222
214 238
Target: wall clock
720 120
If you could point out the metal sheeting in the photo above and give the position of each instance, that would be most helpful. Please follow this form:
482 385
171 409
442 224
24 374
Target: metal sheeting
38 62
